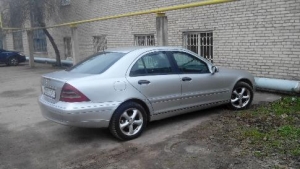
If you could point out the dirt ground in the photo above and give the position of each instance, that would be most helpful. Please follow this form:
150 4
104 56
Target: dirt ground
27 140
202 146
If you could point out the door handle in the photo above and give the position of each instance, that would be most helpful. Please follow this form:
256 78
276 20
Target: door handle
140 82
186 79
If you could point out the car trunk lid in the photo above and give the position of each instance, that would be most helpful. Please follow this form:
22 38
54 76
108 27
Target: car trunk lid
52 84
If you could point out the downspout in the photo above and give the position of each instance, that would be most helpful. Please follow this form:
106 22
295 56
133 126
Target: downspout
278 84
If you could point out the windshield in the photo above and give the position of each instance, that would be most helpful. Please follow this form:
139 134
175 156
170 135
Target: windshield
97 63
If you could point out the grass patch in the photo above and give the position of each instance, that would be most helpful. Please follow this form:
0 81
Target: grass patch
271 129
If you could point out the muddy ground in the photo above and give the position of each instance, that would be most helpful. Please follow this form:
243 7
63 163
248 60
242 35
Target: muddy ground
27 140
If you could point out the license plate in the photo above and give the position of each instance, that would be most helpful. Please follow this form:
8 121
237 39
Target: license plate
49 92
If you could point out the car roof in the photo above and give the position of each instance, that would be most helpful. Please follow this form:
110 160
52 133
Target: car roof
143 48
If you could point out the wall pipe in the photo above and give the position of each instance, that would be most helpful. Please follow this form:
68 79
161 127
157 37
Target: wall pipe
51 61
278 84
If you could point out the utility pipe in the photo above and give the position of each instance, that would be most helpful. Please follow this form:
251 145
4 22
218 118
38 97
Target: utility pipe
157 10
278 84
51 61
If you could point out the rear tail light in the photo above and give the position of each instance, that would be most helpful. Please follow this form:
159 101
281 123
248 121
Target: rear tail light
71 94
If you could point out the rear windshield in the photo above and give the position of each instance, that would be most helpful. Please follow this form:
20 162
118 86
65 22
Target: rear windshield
97 63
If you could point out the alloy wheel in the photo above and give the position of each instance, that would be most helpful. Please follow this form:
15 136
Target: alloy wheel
13 61
240 97
131 122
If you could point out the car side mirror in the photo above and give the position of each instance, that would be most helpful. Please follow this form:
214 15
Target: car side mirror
214 69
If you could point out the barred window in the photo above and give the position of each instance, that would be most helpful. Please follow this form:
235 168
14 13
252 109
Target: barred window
65 2
99 43
67 47
39 41
200 43
18 41
144 40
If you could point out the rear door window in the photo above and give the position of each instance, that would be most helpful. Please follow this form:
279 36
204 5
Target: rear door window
156 63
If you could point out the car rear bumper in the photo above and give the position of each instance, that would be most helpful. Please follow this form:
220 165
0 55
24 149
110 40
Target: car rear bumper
85 114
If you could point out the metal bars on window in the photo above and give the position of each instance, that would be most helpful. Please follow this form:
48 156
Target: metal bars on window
18 41
39 41
144 40
68 47
99 43
200 43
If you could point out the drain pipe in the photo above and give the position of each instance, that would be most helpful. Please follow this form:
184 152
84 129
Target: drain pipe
278 84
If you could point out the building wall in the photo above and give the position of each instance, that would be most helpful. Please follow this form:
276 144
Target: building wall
262 37
9 45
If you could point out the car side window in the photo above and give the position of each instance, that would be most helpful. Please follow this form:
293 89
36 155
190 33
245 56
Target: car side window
156 63
189 64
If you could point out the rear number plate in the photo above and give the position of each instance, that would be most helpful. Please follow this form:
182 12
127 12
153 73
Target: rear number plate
49 92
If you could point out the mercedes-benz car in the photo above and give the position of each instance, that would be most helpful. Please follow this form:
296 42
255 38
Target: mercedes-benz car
124 89
11 58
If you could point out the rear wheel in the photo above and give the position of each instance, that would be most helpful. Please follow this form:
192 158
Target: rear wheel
241 97
128 121
13 61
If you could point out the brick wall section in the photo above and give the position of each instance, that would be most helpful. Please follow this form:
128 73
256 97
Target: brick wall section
262 37
259 36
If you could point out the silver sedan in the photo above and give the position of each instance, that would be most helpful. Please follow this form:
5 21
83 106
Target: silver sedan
124 89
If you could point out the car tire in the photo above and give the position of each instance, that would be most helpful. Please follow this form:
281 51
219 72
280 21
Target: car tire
241 96
128 121
13 61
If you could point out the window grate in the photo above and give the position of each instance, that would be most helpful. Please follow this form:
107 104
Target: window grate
99 43
68 47
18 41
144 40
39 41
200 43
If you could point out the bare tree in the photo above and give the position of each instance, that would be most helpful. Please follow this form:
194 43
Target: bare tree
35 11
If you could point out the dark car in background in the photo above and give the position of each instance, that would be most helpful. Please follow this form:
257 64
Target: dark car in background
11 58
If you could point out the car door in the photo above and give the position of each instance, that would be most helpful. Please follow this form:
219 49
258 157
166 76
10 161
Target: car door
199 85
153 75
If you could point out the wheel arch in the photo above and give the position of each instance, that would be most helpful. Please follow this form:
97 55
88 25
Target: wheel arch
142 103
246 81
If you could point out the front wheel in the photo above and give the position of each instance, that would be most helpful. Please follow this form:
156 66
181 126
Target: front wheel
128 121
241 96
13 61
